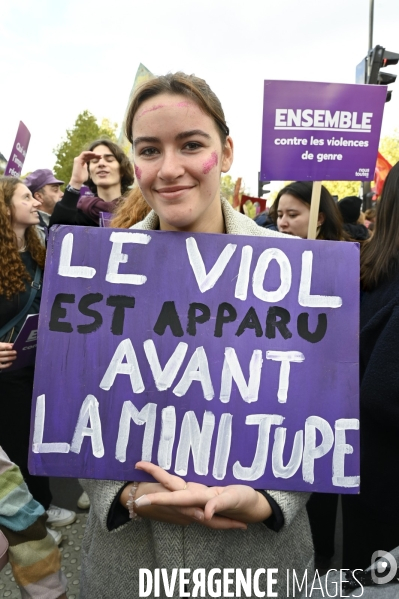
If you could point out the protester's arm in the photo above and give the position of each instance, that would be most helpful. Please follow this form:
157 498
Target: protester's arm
290 503
34 557
66 211
233 506
104 493
238 502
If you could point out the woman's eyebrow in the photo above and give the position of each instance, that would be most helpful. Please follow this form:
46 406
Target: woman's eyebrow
186 134
149 140
182 135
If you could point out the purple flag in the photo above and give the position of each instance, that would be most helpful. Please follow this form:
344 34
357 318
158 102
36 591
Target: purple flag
18 152
223 358
320 131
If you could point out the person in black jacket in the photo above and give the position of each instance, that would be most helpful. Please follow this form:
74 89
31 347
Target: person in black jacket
349 208
107 171
371 519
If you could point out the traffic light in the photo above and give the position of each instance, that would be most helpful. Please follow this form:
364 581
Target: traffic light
261 190
379 58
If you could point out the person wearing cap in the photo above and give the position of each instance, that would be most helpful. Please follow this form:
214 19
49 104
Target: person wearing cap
47 190
350 208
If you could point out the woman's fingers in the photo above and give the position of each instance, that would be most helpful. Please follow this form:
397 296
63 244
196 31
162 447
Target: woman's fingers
216 523
219 503
88 155
170 481
4 366
194 498
7 355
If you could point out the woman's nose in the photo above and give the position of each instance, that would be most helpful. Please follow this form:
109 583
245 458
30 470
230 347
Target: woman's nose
283 221
171 166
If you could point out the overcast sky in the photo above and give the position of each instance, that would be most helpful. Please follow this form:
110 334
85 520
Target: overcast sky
60 58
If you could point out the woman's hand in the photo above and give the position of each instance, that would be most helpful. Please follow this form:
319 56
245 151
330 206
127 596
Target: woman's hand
7 355
80 172
173 512
239 502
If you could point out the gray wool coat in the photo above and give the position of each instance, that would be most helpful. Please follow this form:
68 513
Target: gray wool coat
111 560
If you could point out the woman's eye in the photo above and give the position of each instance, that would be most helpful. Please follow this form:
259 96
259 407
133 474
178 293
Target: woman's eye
192 145
148 152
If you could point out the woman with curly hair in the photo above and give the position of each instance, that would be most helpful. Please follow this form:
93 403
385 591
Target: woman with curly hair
108 172
22 257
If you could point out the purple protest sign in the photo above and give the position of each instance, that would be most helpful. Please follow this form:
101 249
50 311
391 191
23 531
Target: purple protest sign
320 131
225 359
18 152
25 343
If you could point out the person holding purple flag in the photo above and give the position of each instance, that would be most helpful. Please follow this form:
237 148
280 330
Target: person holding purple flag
181 146
108 173
22 257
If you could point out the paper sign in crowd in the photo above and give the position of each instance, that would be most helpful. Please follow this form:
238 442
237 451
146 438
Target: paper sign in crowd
224 359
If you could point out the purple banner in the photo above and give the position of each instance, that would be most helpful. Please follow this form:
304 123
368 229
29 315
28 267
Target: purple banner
320 131
25 343
18 152
225 359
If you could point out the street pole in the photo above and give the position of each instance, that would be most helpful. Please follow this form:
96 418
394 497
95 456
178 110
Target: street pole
371 23
366 184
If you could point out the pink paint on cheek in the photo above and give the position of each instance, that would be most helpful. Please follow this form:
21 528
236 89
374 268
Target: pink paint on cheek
137 170
209 164
183 104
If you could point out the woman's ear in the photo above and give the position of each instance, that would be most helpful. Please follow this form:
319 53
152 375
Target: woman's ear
227 155
321 219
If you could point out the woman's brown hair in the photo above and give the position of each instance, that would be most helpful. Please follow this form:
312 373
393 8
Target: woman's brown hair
132 210
379 258
125 166
184 85
13 271
331 228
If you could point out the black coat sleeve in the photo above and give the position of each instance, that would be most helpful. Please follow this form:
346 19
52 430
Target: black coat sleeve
67 213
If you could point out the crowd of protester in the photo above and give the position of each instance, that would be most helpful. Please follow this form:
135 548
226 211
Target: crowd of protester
145 525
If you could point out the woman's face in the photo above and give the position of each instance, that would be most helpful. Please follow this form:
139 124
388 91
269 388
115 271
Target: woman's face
24 207
104 171
293 216
178 159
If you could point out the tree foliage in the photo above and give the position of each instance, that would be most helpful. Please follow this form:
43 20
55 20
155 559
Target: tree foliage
389 147
85 130
342 189
227 186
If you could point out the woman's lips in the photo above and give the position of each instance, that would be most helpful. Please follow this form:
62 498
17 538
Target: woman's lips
174 191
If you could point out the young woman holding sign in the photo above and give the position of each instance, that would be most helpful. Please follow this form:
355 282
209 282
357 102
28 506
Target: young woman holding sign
291 210
181 146
22 258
